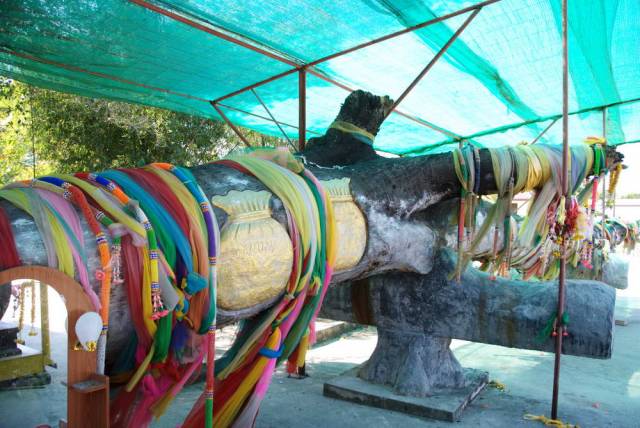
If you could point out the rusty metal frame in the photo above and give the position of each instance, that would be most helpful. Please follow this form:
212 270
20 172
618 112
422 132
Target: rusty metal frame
433 61
302 108
273 119
231 125
544 131
269 52
259 116
210 29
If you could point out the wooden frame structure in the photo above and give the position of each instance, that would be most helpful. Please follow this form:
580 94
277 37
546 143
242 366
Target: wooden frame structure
87 392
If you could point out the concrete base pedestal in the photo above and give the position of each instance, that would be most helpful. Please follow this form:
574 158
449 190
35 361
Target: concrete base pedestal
445 404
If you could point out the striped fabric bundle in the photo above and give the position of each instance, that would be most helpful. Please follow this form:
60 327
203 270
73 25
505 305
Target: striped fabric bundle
155 228
533 244
285 331
156 234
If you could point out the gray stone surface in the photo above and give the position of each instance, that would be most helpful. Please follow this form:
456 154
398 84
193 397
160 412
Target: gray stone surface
501 312
615 271
330 329
414 364
447 404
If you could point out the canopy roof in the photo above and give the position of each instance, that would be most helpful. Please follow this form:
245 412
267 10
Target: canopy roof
500 81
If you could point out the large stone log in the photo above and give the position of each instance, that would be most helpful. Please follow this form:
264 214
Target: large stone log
393 194
417 315
390 192
500 312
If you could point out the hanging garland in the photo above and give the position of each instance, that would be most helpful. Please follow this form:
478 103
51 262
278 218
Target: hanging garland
535 248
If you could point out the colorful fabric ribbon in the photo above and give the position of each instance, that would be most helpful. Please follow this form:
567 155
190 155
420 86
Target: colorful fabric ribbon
164 247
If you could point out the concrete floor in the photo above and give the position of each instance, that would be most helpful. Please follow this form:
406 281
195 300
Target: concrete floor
593 393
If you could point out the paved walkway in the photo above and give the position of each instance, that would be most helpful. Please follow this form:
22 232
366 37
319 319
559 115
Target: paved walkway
594 393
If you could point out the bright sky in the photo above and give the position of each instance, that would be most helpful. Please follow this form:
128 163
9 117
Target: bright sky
630 177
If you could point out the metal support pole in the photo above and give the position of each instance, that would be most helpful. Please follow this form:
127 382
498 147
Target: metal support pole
565 192
604 179
604 205
255 85
259 116
231 125
544 131
272 117
396 111
302 109
434 60
613 205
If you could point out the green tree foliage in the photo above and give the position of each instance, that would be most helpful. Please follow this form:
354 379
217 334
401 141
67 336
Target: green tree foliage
72 133
16 141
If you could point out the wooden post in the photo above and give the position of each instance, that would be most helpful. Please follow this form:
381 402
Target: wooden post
44 326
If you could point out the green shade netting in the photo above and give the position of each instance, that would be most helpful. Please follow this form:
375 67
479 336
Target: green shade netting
499 83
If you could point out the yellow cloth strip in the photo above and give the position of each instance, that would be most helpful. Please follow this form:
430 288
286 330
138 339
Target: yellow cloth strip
249 343
548 421
225 416
147 307
61 246
457 156
142 369
593 140
332 240
350 128
303 347
498 385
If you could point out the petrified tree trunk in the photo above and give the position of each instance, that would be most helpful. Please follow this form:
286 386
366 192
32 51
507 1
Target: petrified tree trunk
500 312
389 192
417 315
394 196
413 363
